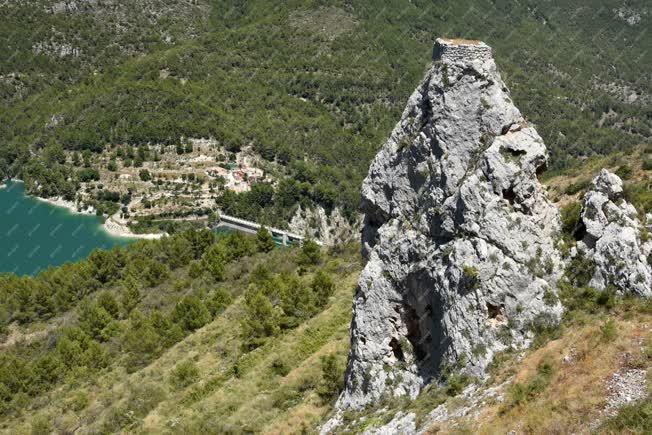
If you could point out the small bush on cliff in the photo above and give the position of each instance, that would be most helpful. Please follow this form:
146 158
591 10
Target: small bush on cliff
332 377
570 216
580 270
471 276
586 299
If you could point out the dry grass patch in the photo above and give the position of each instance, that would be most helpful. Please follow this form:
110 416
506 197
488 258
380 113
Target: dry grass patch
580 363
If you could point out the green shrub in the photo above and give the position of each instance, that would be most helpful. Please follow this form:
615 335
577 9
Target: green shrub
578 186
310 253
218 300
280 366
184 374
322 287
96 321
455 383
297 300
570 217
640 195
144 175
624 171
580 270
260 319
549 298
646 165
88 174
190 313
608 330
586 299
130 295
521 393
471 276
332 377
635 418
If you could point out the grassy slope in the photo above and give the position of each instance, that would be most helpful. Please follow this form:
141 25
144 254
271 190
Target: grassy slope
577 392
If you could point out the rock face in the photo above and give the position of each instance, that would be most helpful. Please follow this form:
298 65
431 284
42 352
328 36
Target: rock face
328 228
610 234
458 234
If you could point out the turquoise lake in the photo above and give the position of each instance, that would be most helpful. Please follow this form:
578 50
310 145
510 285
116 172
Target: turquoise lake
35 234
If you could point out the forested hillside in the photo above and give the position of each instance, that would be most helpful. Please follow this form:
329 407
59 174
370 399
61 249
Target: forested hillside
189 334
313 85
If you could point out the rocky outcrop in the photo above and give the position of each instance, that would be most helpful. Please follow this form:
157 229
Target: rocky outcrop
609 234
458 235
330 229
402 423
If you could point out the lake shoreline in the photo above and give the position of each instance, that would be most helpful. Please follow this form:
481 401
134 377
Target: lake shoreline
58 201
118 227
113 225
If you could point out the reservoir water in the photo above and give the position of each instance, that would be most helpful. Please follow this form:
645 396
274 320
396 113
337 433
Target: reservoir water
35 234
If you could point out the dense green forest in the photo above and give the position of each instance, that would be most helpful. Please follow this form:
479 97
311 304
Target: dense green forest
313 85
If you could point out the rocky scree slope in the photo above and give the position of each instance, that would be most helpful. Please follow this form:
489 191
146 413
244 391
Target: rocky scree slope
458 234
609 234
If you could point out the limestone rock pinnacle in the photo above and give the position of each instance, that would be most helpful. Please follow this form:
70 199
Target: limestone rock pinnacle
459 236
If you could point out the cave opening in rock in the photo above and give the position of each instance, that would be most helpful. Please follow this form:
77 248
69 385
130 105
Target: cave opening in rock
515 153
396 349
580 231
414 335
419 310
494 310
541 169
509 195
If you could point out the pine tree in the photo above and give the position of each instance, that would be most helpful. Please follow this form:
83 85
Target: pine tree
130 294
190 313
323 287
310 253
297 300
260 320
264 240
214 261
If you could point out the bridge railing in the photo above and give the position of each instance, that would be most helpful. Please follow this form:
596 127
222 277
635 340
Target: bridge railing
253 225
